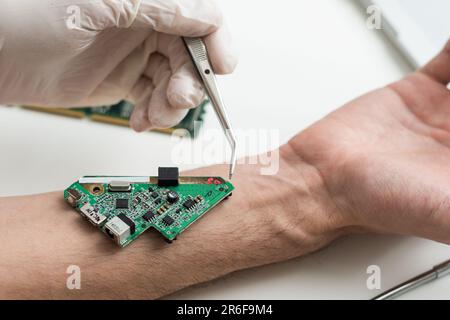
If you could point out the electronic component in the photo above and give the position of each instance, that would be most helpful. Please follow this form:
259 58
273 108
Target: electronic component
121 203
172 197
189 203
168 177
128 221
163 209
173 210
92 214
168 220
118 230
148 216
73 197
119 186
136 201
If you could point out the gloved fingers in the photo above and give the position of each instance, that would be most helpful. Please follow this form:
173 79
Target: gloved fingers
142 92
140 95
192 18
439 67
185 90
156 67
160 112
222 54
124 76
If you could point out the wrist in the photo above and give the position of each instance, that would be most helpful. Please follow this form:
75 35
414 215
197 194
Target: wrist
311 217
271 218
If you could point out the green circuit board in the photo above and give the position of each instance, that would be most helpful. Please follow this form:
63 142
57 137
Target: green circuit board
125 207
120 113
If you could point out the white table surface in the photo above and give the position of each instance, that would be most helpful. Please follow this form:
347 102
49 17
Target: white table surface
299 61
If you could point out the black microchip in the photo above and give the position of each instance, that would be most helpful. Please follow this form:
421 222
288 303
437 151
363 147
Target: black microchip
168 220
128 221
158 201
168 177
121 203
189 203
149 215
154 195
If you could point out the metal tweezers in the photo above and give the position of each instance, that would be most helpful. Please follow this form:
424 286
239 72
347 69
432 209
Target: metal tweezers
437 272
199 55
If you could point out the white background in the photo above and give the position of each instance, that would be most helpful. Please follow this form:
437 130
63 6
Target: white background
299 61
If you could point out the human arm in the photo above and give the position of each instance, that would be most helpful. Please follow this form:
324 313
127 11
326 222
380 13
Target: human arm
42 236
378 164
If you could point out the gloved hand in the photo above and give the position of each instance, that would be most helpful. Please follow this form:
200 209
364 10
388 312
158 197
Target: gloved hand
96 52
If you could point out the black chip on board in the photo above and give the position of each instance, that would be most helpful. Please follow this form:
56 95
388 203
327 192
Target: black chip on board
149 216
189 203
122 204
168 220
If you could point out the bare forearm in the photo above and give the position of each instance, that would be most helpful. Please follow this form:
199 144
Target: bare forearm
268 219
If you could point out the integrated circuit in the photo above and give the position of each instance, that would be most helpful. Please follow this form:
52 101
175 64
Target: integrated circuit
148 216
189 203
168 220
121 203
125 207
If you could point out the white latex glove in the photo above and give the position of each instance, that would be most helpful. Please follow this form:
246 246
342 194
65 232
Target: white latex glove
117 49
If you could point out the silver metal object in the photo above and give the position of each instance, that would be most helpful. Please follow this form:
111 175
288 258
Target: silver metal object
92 214
437 272
117 230
119 186
199 55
